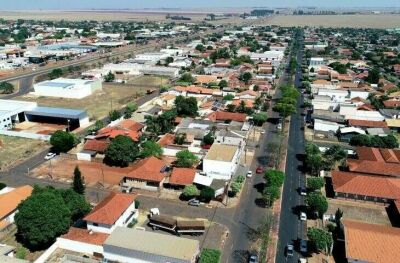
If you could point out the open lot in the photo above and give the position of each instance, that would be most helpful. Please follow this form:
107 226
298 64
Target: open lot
366 212
98 105
14 149
149 80
358 21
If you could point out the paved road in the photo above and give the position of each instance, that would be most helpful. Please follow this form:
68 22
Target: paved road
290 227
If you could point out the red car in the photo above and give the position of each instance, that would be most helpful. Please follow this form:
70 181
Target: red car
260 170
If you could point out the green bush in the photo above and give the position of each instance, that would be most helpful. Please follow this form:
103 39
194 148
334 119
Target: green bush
209 255
21 253
132 223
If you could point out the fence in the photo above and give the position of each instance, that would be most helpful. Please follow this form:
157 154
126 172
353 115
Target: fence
26 135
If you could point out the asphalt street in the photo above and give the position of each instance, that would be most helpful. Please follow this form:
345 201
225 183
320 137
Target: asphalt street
291 229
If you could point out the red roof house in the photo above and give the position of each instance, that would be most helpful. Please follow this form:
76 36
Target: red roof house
182 176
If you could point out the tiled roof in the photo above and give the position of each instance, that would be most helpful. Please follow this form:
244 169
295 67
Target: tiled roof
85 236
182 176
9 201
130 125
363 123
96 145
364 184
206 78
248 103
149 169
166 139
371 243
224 115
111 208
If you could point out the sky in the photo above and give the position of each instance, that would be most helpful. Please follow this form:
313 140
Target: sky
137 4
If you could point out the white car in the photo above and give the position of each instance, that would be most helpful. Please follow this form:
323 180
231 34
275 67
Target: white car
249 174
303 216
49 156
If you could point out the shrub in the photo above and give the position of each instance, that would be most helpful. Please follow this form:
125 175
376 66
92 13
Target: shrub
209 255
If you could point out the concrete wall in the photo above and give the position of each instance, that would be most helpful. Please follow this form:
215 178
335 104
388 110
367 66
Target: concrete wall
26 135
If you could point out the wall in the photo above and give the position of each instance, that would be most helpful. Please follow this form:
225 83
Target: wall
218 169
102 228
79 247
84 157
26 135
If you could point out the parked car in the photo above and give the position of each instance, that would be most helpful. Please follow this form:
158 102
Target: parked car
289 250
253 258
303 191
194 202
249 174
303 246
49 156
303 216
260 170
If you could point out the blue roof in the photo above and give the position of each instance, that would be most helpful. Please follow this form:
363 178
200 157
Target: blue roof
57 112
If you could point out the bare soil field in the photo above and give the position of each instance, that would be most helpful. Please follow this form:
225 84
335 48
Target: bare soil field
357 21
14 149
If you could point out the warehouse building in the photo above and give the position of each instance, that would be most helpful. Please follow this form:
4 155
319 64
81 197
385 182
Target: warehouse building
67 88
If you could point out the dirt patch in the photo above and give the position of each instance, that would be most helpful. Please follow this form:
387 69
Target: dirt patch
15 149
149 80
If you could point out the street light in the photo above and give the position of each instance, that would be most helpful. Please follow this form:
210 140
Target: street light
68 123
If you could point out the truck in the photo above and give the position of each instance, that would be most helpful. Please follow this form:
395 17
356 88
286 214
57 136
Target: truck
176 226
192 227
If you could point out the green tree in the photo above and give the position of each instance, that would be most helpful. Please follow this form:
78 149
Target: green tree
98 125
271 193
114 115
109 77
274 178
208 139
187 78
62 141
259 118
373 76
41 218
151 148
55 73
228 97
284 110
180 138
78 184
317 202
186 159
75 202
132 107
190 191
235 188
315 183
319 239
246 77
186 107
207 193
223 84
200 48
169 60
231 108
6 87
209 255
121 151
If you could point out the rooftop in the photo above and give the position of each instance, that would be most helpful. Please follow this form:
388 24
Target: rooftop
85 236
182 176
149 169
153 243
221 152
9 201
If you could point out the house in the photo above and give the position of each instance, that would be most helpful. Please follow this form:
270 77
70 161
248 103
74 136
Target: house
127 245
9 202
117 209
346 133
376 161
247 95
67 88
221 161
363 124
126 127
146 174
365 242
393 124
180 177
206 79
231 137
326 126
227 116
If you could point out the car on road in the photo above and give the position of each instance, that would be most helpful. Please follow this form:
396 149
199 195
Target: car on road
289 251
253 258
303 246
49 156
279 126
194 202
303 216
249 174
303 191
260 170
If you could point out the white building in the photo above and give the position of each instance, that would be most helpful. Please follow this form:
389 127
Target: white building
67 88
160 71
12 111
316 63
221 161
326 126
336 94
117 209
150 58
267 56
124 68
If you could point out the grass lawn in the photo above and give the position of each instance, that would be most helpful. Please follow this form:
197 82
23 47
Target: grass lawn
149 80
97 105
13 149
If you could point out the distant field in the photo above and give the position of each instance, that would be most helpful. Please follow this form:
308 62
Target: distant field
357 21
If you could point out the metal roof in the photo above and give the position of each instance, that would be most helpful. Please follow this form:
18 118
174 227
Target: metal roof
57 112
153 243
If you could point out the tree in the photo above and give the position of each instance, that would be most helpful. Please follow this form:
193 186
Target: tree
235 188
274 178
259 118
228 97
207 193
190 191
55 73
180 138
271 193
223 84
132 107
99 124
114 115
315 183
109 77
151 148
186 77
6 87
373 76
317 202
78 184
231 108
209 255
169 60
62 141
284 110
319 239
200 48
121 151
208 139
186 159
75 202
41 218
186 107
246 77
